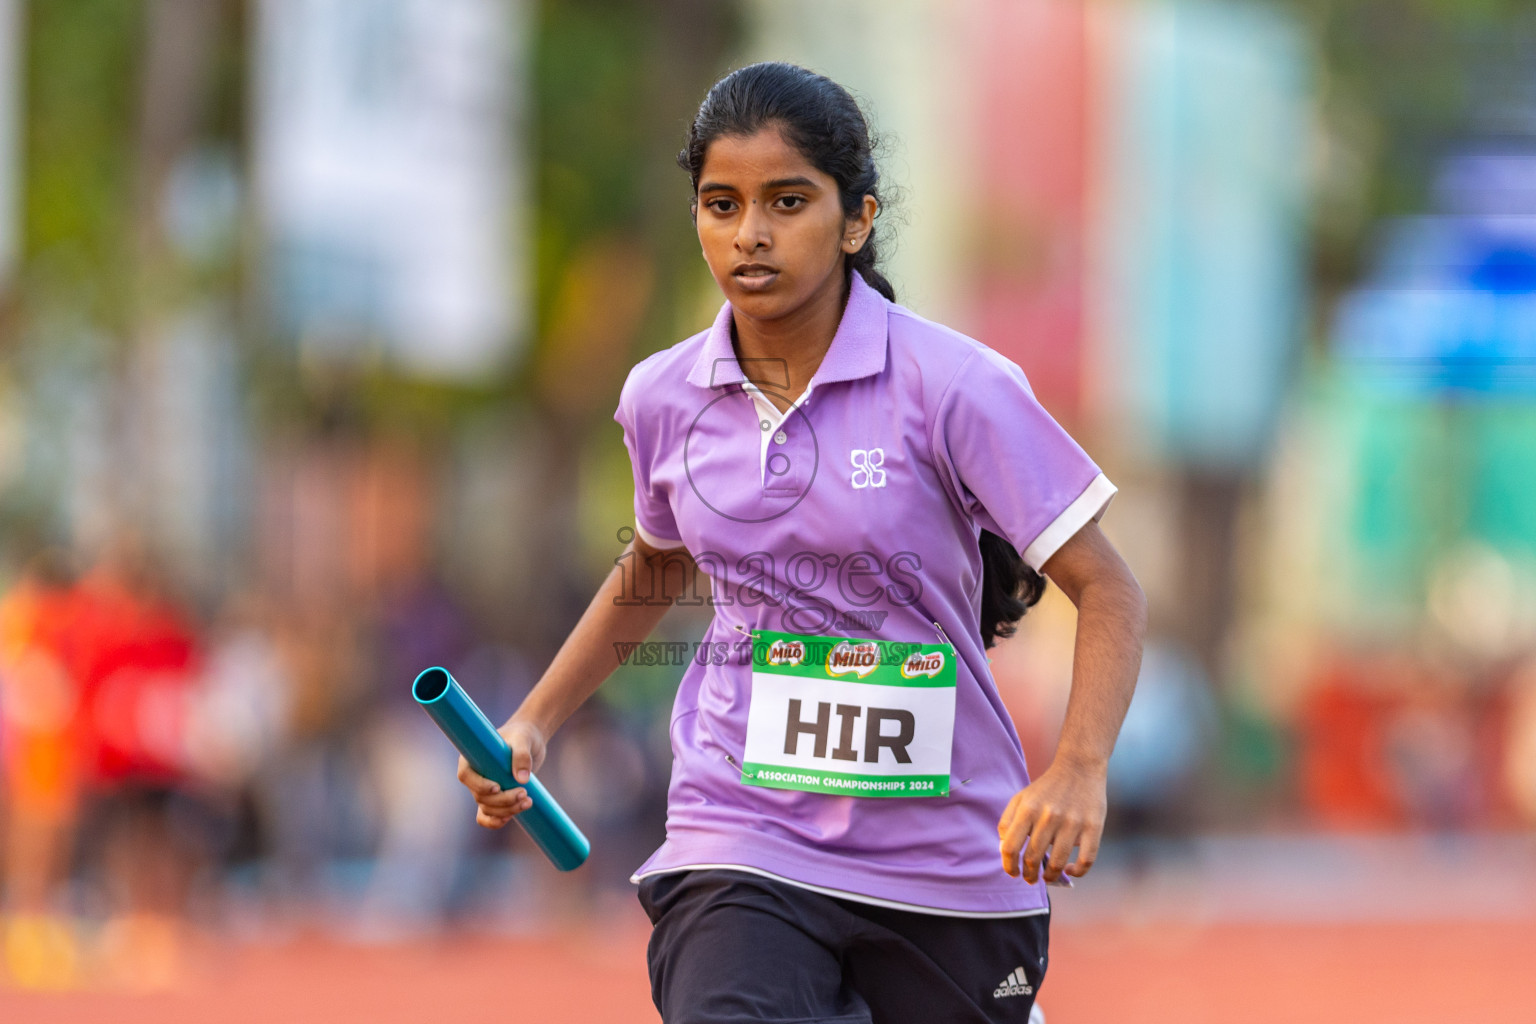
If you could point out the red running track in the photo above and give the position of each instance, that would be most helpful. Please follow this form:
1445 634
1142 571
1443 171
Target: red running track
1189 974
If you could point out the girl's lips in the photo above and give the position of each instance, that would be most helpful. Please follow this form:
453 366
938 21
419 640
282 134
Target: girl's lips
755 280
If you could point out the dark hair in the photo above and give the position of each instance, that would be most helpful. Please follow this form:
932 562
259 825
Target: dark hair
1009 588
820 119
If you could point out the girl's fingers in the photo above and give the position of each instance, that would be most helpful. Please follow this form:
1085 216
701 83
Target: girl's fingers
499 814
1014 837
1009 813
1059 856
478 784
503 807
503 801
1087 853
522 762
1040 839
490 820
527 745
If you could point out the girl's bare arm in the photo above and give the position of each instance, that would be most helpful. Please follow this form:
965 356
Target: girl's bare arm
1065 806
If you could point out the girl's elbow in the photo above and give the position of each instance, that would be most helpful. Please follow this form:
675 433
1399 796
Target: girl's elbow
1137 599
1132 603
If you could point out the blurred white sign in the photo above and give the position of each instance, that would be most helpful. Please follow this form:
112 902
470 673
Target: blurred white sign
388 177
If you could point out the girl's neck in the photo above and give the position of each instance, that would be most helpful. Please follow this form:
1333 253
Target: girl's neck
792 346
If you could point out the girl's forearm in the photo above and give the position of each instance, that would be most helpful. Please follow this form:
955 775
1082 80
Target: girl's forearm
625 609
1111 624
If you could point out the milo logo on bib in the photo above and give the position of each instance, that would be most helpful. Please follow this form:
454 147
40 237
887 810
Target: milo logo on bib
859 658
849 716
928 665
786 652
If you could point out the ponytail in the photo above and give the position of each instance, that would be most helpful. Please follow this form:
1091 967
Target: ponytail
1009 588
864 262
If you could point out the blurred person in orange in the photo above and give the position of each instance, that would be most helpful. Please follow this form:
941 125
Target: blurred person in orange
40 742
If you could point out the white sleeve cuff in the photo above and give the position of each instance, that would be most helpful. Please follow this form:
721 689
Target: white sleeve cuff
1088 507
659 543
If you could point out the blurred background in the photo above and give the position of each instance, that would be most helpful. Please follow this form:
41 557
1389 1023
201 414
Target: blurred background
313 317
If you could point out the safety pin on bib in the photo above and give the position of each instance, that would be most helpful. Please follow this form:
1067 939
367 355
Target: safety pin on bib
943 639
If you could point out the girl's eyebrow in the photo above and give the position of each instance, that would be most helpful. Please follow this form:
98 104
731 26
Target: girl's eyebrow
798 182
792 183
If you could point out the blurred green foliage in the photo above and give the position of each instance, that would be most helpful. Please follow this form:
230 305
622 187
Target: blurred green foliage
78 138
615 85
589 128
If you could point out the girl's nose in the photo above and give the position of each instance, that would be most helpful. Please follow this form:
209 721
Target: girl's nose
752 233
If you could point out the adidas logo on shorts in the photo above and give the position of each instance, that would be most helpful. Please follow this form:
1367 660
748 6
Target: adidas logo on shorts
1014 985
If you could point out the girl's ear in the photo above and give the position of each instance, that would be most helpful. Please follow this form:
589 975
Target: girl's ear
858 227
693 209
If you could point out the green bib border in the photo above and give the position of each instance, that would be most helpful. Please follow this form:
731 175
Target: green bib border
814 780
887 672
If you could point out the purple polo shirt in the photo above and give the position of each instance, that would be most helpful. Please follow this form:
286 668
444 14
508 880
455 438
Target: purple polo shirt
855 514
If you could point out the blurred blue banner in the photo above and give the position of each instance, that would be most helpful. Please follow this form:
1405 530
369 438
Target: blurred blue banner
1450 304
1200 291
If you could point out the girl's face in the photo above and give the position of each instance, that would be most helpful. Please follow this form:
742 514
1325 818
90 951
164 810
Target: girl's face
772 226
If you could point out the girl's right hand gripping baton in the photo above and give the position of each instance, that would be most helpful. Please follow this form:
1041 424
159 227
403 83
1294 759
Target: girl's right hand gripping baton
487 752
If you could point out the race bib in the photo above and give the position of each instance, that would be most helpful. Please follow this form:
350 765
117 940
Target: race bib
848 716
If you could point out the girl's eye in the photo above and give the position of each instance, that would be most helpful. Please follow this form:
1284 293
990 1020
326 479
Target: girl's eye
721 205
791 202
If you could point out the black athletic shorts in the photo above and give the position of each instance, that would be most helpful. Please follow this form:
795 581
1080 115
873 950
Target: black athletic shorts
729 946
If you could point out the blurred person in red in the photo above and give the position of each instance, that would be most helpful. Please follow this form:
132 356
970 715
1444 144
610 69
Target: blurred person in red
1344 771
137 658
41 767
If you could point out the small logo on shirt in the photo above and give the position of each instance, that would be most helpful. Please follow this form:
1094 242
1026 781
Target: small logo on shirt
860 659
867 471
930 665
1014 985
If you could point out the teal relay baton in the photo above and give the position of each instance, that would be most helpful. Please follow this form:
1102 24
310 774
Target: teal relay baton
487 752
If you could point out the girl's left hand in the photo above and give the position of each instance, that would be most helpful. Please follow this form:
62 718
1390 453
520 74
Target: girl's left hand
1062 809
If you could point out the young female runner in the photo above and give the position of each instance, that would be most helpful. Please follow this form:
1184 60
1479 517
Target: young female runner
866 492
